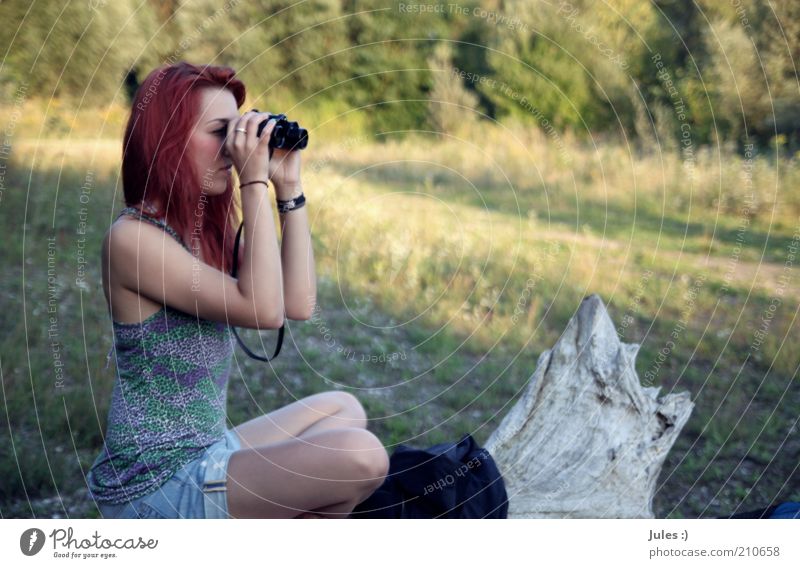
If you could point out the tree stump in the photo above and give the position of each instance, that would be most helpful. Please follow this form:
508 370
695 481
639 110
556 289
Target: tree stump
586 440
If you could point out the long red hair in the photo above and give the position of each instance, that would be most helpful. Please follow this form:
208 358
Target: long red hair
154 165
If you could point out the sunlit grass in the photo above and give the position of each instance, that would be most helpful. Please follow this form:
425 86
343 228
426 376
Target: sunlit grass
468 257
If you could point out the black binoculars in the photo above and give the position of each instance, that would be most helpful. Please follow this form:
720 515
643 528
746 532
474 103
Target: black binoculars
286 135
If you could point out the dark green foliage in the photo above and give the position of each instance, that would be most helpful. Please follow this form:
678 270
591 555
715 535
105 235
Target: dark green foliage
578 65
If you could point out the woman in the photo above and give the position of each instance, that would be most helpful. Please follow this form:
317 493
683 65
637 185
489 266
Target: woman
166 264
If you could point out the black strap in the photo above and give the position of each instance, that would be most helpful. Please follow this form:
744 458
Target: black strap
234 270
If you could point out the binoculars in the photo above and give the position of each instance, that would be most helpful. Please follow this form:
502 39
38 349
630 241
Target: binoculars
286 135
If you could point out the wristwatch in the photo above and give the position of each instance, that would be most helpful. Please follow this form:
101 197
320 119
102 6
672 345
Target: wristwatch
291 204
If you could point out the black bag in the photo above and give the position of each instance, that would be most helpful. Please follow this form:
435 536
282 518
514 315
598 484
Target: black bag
445 481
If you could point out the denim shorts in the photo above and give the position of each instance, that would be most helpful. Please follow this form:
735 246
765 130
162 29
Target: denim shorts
196 491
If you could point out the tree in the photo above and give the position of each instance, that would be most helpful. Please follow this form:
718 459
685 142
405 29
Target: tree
451 107
78 50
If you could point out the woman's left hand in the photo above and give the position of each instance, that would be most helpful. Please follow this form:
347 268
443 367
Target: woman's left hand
284 172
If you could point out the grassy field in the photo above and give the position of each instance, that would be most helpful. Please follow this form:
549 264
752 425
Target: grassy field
445 268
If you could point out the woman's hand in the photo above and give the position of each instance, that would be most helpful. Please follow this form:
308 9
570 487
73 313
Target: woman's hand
285 173
249 153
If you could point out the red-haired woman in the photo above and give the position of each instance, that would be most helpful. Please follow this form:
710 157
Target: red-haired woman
166 261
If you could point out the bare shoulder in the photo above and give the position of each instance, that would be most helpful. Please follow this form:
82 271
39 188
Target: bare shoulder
150 262
130 242
120 274
127 230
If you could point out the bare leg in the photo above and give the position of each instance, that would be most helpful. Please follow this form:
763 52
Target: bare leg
310 415
342 419
336 511
326 472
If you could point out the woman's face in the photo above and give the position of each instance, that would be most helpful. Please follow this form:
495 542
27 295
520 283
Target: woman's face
207 142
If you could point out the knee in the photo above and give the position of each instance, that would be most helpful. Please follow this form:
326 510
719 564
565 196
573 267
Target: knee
352 408
368 455
378 466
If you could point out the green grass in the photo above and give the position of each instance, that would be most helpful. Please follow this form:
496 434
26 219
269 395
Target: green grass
413 259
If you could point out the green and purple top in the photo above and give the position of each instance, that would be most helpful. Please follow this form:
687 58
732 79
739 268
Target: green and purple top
169 399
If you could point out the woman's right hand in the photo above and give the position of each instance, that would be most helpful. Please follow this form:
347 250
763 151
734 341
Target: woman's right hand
250 155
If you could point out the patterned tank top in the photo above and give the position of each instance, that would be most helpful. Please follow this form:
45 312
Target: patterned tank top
168 401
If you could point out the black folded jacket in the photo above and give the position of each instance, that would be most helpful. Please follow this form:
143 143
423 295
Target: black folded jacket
446 481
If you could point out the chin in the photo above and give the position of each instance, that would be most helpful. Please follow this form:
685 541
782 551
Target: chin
218 188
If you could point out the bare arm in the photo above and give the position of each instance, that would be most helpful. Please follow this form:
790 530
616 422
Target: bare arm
297 258
149 262
260 277
260 274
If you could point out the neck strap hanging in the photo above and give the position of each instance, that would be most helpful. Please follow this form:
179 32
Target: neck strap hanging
234 270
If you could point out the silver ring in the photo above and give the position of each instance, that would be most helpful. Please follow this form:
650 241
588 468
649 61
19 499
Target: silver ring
241 130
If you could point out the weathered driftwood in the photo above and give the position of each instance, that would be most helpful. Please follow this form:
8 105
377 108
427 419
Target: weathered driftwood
586 440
